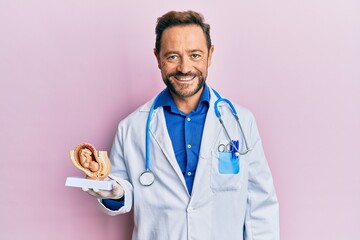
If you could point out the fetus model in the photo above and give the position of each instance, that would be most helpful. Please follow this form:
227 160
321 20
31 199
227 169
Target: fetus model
95 164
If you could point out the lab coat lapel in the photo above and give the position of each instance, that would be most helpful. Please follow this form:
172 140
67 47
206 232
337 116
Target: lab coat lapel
159 132
212 129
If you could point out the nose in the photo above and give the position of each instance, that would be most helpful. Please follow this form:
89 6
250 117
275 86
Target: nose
184 66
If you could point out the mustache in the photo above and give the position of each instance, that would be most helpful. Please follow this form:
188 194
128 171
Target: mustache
180 74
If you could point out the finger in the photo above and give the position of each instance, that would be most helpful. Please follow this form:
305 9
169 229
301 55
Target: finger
100 193
103 193
92 193
117 191
116 187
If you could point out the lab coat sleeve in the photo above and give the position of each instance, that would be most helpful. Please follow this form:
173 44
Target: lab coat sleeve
119 174
262 214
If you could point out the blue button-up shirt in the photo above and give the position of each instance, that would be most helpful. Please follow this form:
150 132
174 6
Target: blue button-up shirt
185 131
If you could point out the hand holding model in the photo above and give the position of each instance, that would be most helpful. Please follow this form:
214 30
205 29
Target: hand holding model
96 165
117 192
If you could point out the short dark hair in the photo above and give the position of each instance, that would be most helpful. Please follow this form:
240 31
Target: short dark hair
174 18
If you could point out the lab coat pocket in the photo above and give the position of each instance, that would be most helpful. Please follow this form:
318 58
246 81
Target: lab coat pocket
225 172
228 164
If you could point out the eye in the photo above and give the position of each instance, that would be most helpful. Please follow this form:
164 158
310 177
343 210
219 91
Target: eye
195 56
172 57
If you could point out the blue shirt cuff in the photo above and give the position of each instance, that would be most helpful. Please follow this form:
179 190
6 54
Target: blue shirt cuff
113 204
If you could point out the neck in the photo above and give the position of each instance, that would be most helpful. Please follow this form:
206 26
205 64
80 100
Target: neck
186 105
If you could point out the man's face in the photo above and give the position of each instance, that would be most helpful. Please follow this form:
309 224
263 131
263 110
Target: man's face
184 59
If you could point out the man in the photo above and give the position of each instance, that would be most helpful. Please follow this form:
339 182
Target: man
200 191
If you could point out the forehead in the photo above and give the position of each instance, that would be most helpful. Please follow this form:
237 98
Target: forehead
190 37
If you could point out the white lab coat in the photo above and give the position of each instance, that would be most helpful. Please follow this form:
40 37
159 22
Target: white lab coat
221 206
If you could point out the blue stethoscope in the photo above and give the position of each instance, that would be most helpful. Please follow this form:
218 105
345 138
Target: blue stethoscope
147 178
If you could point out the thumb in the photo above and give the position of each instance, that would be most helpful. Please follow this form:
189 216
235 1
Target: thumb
117 190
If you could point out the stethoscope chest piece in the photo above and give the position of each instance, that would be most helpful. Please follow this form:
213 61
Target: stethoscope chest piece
147 178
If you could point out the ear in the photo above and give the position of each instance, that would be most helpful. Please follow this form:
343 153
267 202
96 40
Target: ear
157 58
211 51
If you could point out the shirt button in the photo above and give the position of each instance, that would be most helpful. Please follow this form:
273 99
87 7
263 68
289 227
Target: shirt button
189 173
188 119
190 209
189 146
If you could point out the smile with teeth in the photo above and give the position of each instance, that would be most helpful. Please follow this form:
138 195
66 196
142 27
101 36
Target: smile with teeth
184 78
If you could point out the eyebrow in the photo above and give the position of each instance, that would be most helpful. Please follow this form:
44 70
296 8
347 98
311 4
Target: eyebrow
191 51
197 50
170 53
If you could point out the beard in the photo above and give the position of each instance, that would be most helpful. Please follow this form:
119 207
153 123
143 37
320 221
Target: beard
184 90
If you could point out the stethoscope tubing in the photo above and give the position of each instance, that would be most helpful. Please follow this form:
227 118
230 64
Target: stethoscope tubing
147 138
148 172
234 113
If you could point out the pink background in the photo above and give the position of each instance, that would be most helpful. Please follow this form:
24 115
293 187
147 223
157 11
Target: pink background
71 69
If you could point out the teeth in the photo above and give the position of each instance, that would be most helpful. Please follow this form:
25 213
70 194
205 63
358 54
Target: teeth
185 78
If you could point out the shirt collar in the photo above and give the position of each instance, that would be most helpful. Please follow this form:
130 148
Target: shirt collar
165 99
